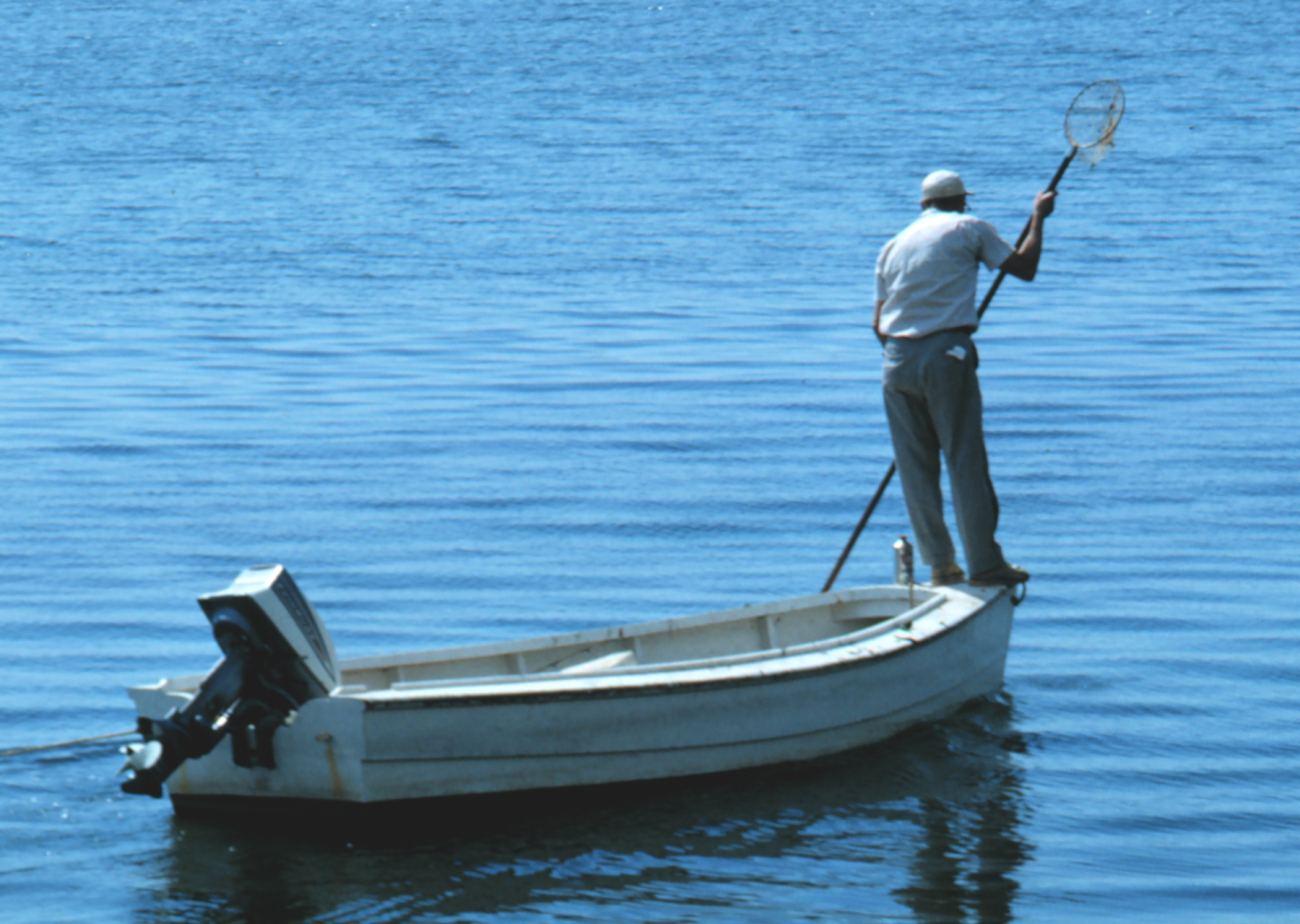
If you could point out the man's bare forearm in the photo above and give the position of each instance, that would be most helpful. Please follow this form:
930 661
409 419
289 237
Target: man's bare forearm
1023 264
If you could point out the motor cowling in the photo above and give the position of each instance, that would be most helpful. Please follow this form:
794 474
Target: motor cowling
277 655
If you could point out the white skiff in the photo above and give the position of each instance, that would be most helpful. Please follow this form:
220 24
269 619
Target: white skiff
782 681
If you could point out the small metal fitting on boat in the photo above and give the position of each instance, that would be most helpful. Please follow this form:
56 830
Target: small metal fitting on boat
904 572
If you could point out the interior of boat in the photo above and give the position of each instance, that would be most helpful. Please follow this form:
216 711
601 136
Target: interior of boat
722 637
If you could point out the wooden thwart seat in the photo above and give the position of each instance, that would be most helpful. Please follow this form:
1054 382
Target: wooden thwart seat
603 663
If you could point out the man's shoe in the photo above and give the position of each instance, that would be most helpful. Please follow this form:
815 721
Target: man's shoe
1004 575
945 575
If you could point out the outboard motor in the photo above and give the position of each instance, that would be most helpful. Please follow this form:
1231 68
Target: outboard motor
277 656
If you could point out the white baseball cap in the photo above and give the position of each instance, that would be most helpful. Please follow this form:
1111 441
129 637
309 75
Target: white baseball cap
941 184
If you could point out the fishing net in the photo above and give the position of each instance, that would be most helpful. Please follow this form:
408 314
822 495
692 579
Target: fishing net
1093 117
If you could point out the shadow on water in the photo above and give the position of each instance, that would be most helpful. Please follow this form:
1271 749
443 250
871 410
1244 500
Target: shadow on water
926 826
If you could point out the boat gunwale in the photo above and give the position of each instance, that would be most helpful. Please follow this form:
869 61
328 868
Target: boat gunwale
548 693
616 683
766 654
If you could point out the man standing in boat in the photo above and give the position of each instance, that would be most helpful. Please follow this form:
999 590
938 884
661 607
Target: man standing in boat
925 315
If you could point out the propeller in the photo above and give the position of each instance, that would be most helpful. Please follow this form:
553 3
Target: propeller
141 756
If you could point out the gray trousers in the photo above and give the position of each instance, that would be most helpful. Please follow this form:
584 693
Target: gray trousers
932 400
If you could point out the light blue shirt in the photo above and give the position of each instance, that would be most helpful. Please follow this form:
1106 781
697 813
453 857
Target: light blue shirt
926 276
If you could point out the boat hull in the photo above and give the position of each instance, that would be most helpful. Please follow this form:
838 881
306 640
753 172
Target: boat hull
418 745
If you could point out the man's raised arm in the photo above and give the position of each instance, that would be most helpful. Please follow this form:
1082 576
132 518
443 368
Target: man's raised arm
1023 264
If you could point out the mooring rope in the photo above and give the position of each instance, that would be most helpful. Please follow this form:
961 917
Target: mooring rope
11 752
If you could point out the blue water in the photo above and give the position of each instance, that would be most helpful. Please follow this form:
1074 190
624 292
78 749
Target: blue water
496 319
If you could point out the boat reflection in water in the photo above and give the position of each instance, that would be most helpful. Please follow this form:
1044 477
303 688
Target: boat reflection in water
928 821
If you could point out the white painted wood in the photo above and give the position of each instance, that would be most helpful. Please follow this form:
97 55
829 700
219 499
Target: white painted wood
606 663
668 698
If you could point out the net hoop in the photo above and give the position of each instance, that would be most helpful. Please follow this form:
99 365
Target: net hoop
1094 115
